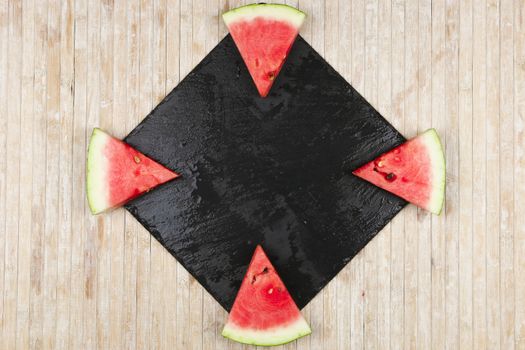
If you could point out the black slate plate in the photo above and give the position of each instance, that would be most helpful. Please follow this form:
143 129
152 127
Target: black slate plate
274 171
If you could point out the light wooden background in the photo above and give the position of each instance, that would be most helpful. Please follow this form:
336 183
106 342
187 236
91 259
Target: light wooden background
71 280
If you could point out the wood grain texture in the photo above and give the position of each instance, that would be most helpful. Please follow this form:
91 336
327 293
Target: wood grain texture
71 280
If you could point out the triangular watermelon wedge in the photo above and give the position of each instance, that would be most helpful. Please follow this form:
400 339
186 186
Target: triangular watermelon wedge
264 313
414 171
117 173
264 34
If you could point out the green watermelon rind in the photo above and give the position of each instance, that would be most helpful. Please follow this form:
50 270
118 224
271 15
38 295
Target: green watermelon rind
437 159
278 12
96 169
271 337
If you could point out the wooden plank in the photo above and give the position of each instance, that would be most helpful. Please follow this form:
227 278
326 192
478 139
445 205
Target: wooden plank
452 158
79 205
172 43
26 177
12 193
105 122
519 172
465 174
424 218
411 102
506 166
132 228
3 147
317 25
397 225
157 273
118 129
220 318
52 175
65 235
210 324
493 184
384 238
438 222
479 269
94 224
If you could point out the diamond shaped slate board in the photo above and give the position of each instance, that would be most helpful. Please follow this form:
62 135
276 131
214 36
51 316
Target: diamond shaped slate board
274 171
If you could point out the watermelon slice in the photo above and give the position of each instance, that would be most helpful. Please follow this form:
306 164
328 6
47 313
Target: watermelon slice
414 171
117 173
264 34
264 313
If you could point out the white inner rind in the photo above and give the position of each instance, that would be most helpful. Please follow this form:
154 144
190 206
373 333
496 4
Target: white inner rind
267 337
97 191
437 160
276 12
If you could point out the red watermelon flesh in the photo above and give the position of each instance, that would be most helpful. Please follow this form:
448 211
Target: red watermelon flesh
414 171
264 313
264 34
117 173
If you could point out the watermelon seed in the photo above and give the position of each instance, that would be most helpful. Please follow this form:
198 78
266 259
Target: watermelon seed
271 75
270 291
137 159
263 272
390 177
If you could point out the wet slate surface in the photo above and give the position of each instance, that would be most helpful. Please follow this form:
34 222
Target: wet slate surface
274 171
